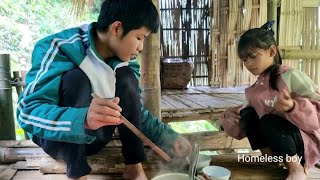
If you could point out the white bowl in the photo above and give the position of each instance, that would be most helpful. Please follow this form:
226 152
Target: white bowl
172 176
203 161
216 172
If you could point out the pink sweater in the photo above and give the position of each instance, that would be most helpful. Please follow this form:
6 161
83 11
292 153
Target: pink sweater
305 114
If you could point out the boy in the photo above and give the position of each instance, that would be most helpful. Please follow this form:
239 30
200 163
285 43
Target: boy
57 109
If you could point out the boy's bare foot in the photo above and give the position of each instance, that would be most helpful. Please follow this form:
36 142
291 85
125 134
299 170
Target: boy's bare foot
134 172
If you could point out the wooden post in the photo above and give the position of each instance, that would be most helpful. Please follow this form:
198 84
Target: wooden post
7 130
150 72
272 15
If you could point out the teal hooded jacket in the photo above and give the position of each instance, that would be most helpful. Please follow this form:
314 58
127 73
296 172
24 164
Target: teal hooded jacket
38 112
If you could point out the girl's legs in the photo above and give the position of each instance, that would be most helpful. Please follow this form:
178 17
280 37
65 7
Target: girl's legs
250 122
284 139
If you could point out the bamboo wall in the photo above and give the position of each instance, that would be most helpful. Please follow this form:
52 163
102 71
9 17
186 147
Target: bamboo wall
185 33
300 30
207 32
229 20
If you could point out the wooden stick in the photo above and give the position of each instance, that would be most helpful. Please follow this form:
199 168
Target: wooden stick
144 138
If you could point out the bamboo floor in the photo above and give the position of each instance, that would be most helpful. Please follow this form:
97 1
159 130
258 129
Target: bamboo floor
198 103
239 171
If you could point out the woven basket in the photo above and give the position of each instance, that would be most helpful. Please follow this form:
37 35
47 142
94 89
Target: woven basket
176 73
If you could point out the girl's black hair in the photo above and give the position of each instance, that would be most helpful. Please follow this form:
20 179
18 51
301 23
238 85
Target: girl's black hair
133 14
261 38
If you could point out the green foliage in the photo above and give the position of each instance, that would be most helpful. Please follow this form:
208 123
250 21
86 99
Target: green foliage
24 22
192 126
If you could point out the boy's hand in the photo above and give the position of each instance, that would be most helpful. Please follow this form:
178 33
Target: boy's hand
284 102
182 147
103 112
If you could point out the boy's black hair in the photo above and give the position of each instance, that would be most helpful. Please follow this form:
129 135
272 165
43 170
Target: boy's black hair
261 38
133 14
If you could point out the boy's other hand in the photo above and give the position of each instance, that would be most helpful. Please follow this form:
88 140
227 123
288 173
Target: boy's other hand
103 112
182 147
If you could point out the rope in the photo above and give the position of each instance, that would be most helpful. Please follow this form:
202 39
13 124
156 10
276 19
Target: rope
16 81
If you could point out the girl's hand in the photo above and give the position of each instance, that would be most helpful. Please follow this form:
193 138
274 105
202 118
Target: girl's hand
232 115
284 102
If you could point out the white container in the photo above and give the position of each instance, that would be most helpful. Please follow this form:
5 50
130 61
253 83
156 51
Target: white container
174 176
203 161
216 172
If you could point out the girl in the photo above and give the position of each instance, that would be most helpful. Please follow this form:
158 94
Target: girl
282 115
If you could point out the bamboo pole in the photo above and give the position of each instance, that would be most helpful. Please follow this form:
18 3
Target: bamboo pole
272 15
7 130
150 72
299 54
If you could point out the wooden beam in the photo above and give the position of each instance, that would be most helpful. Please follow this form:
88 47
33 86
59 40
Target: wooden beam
207 141
192 117
311 3
299 54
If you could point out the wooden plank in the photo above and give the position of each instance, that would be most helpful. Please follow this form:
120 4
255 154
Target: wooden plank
29 144
24 165
191 90
192 117
178 104
211 101
174 103
13 143
36 175
235 99
185 101
192 98
7 172
228 90
165 104
172 91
